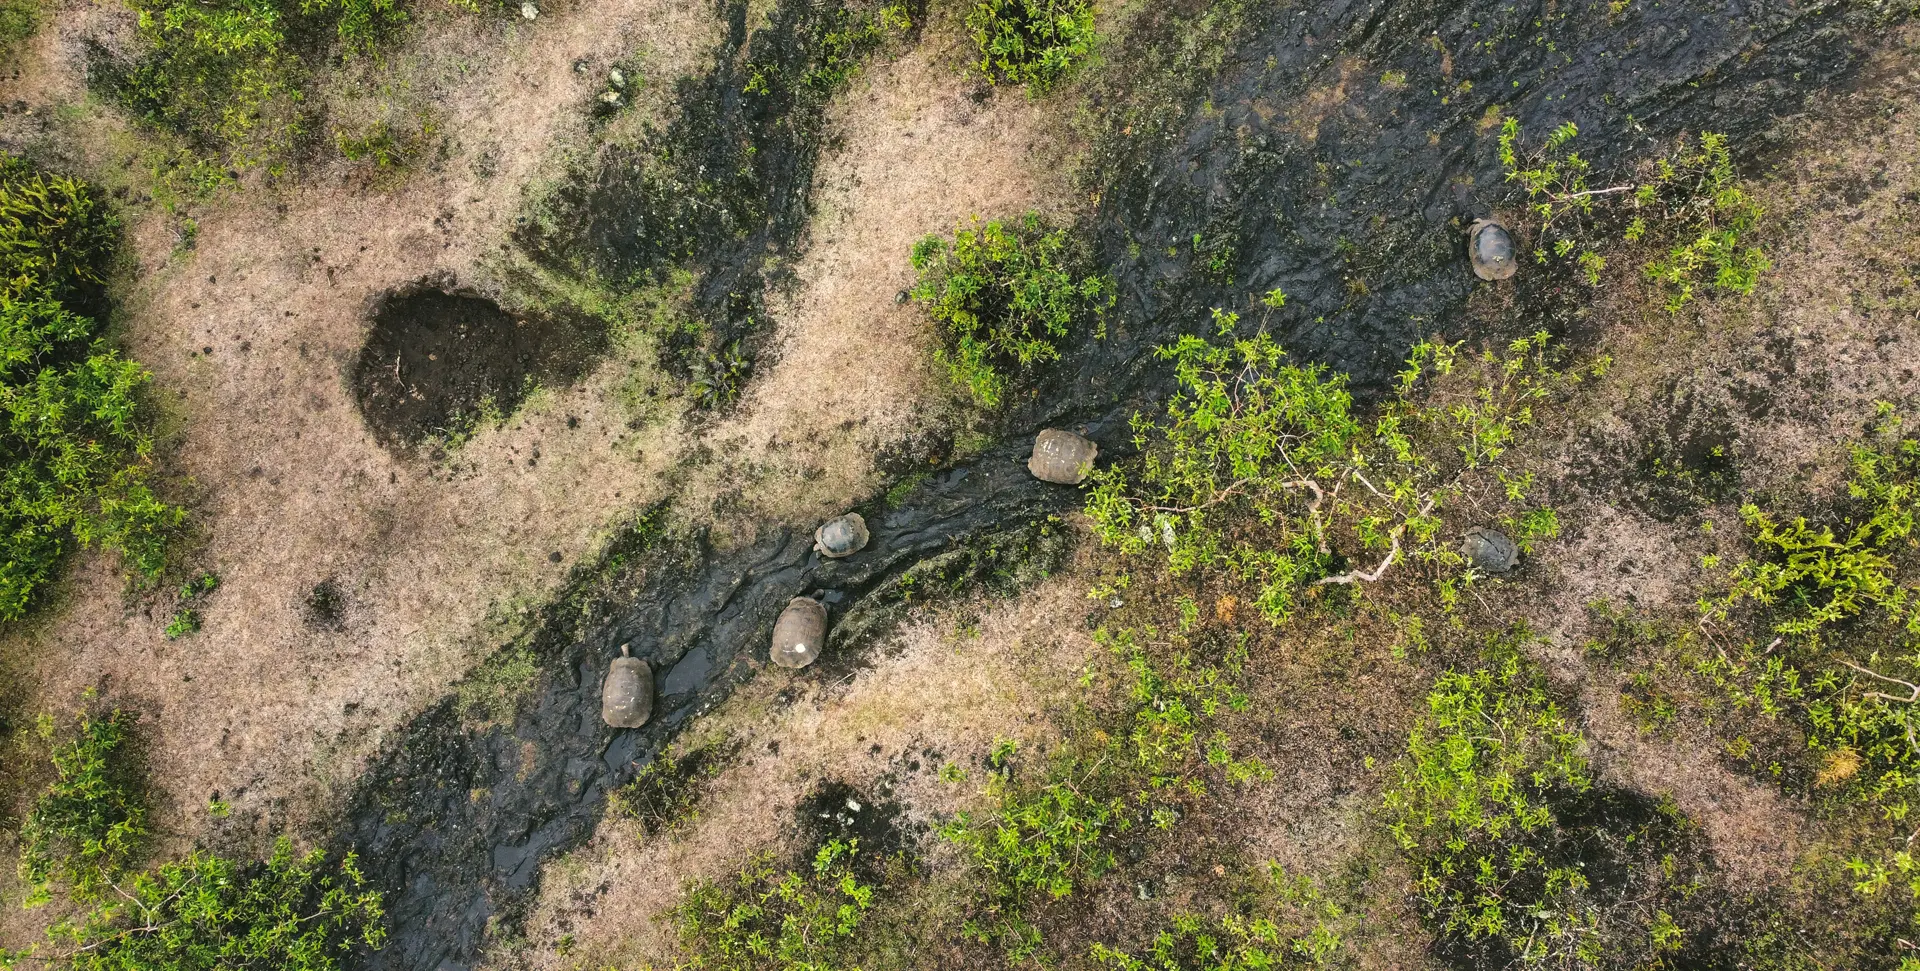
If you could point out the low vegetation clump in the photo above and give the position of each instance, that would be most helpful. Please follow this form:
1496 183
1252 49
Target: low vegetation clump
1692 203
1262 467
78 444
766 919
1820 626
1522 861
1049 833
668 790
291 912
89 823
1006 296
1290 923
18 21
1031 42
230 77
1805 661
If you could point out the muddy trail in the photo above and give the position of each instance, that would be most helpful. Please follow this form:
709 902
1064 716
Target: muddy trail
456 820
1336 152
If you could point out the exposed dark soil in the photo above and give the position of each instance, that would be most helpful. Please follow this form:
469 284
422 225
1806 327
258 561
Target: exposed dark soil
835 810
1349 144
436 360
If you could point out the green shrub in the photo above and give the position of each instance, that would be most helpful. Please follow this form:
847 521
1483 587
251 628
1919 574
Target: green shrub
225 75
1693 202
1838 615
56 236
1047 835
1005 295
1521 861
77 448
1297 927
290 913
91 820
1261 467
1031 42
1476 783
765 920
1696 194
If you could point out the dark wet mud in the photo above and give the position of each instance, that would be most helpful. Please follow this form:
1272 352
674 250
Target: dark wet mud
1297 165
435 361
1350 143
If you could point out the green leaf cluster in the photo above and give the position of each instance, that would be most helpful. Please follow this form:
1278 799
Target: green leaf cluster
1298 927
291 913
1263 469
1475 784
1837 605
762 919
76 445
1693 200
1005 296
1697 195
1047 835
91 820
1031 42
1520 857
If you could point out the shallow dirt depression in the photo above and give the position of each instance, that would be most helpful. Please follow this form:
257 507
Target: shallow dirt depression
438 360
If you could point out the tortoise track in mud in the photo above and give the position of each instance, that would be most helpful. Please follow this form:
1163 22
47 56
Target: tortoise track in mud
437 358
1355 207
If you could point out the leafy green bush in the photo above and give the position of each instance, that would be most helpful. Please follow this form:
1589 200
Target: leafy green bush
1298 928
77 450
1693 200
226 76
1838 608
91 820
1261 467
290 913
56 235
1047 835
1521 862
1477 781
1031 42
1005 296
765 919
1696 193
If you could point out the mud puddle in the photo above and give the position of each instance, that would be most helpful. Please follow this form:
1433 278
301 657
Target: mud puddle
438 360
1341 150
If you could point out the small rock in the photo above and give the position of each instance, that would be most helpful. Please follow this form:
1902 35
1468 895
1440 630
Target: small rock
529 11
